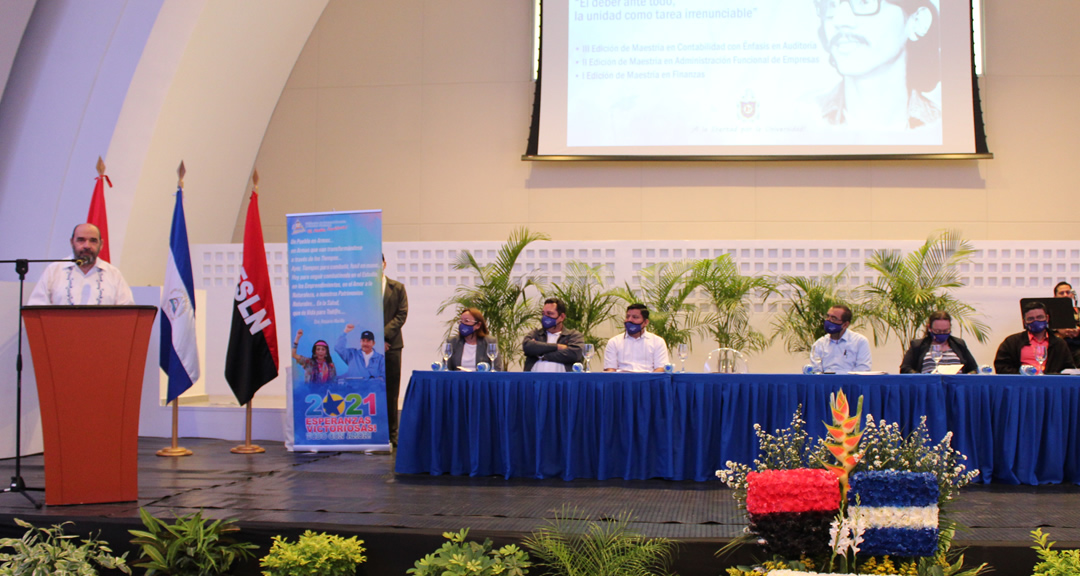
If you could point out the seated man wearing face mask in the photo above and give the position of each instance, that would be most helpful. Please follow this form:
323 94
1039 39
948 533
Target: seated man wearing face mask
636 349
840 350
553 347
1025 348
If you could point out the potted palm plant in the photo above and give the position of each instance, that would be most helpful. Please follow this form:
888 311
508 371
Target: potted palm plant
909 287
732 296
665 287
588 305
499 294
799 323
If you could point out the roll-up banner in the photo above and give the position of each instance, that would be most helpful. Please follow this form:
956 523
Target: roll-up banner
338 396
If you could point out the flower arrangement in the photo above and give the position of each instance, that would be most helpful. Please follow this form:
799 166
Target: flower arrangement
843 438
894 488
896 511
792 509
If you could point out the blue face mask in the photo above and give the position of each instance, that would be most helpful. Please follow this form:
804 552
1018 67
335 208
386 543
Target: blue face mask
941 338
1037 327
548 323
465 330
833 327
632 328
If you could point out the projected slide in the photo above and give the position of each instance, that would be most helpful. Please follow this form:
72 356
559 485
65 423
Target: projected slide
752 77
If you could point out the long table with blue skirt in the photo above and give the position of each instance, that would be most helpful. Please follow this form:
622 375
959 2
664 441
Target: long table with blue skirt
1014 429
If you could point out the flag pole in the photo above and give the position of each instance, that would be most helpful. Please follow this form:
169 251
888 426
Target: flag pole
176 450
247 447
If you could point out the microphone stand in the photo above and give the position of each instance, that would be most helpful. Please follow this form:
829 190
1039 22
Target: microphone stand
18 485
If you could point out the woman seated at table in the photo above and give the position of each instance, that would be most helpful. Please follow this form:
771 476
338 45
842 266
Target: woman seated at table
471 343
919 358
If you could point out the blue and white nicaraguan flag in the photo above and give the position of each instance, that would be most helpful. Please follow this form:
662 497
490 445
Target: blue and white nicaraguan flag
179 352
897 512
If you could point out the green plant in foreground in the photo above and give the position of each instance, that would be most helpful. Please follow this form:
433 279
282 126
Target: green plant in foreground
1053 562
601 548
190 546
50 551
314 554
458 557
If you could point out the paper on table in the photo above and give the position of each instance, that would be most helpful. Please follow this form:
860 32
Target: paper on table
868 372
949 369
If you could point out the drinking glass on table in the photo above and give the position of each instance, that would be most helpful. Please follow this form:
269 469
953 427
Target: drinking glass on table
1040 358
588 353
447 352
493 353
936 352
684 353
817 363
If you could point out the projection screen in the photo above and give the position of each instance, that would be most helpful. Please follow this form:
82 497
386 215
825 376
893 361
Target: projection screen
756 79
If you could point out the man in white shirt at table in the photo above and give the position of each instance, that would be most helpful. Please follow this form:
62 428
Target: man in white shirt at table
840 350
636 349
87 281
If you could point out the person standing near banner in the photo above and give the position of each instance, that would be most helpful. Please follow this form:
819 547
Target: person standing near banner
395 311
87 281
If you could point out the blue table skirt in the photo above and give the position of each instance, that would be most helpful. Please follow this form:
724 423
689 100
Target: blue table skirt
1014 429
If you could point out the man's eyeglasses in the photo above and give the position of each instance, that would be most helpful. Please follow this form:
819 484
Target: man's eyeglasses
835 319
858 7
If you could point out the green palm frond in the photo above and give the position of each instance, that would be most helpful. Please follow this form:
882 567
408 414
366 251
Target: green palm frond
569 545
588 306
500 294
799 324
909 288
665 287
732 296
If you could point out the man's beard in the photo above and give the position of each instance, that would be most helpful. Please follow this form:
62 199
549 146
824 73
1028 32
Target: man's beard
87 255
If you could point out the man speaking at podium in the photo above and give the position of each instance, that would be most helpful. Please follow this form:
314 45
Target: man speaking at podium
86 281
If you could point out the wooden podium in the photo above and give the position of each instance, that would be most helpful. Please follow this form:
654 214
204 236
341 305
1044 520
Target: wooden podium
89 362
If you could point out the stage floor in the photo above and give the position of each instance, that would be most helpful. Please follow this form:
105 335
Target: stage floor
358 492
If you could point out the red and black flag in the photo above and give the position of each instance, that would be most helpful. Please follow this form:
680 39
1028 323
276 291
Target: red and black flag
252 357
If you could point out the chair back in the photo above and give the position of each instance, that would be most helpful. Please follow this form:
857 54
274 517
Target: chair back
726 361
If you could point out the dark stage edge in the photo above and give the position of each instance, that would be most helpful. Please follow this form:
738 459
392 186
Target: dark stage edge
401 517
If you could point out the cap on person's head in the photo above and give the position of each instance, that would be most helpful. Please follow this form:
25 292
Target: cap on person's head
367 335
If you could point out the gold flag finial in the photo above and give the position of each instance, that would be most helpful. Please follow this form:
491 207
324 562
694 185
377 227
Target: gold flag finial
180 174
100 166
255 179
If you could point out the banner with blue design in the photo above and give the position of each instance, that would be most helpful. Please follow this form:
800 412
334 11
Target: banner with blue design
338 399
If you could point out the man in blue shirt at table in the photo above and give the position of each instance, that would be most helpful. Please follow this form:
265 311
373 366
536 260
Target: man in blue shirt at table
840 350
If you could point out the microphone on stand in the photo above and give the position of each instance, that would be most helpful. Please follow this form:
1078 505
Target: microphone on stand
80 261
